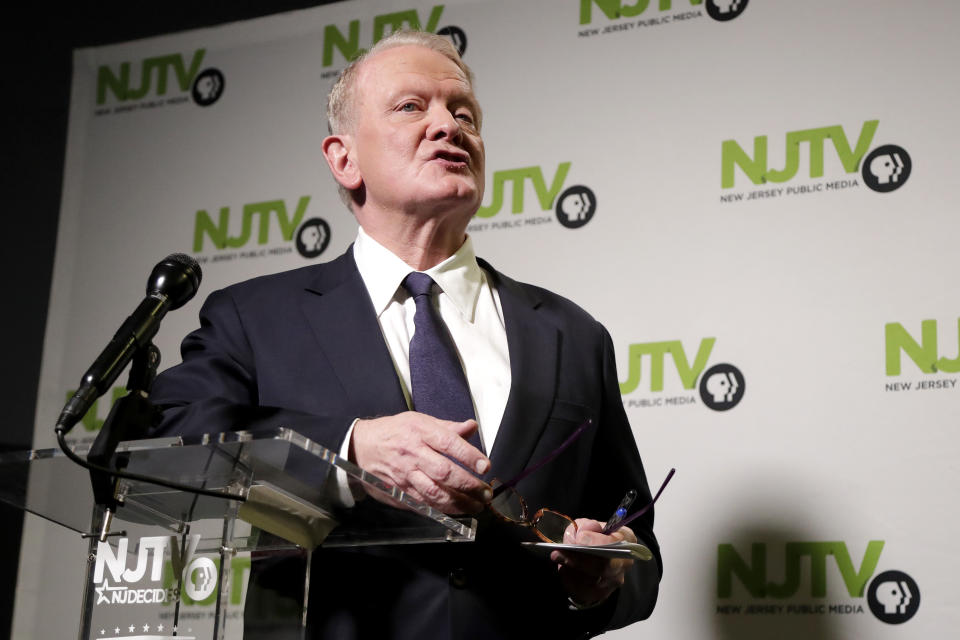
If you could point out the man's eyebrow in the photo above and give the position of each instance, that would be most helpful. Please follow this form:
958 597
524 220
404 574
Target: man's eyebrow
467 97
467 102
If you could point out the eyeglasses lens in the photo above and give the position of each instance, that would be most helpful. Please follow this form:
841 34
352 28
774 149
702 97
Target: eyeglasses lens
510 505
551 525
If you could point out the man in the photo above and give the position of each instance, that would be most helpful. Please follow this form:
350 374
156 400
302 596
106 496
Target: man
331 351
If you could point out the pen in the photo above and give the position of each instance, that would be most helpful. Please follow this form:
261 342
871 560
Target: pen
621 511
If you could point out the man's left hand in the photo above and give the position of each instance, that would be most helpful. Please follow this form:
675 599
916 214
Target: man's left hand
590 579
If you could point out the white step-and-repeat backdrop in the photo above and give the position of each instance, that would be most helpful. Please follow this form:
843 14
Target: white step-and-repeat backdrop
765 186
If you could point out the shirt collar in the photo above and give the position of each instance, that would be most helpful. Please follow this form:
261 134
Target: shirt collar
459 276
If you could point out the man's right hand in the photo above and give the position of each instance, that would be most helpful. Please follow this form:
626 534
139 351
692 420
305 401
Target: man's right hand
418 454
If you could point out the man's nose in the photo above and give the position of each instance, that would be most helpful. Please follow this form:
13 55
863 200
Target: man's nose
443 125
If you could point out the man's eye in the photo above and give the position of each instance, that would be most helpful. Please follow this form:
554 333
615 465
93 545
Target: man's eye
466 117
409 107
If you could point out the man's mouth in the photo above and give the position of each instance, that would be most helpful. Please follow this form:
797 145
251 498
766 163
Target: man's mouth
452 158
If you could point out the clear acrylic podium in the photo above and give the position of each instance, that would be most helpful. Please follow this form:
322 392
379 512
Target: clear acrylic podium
177 565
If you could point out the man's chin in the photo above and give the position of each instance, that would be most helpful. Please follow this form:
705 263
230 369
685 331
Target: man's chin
454 194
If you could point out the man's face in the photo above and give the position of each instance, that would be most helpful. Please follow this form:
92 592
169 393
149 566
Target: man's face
416 140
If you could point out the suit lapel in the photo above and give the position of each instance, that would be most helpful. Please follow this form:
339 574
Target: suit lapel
533 343
344 322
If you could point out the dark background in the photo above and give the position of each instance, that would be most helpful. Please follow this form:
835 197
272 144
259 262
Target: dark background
36 49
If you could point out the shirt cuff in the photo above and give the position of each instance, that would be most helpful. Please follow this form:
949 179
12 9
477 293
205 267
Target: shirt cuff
347 493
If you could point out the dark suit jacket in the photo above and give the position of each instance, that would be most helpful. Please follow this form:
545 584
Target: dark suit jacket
303 349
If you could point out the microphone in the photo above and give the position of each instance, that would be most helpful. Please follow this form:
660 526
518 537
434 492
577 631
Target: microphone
172 283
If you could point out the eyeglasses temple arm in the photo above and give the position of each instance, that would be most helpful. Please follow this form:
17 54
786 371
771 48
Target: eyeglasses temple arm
526 472
634 516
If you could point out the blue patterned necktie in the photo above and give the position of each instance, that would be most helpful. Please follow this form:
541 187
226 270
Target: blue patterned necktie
439 386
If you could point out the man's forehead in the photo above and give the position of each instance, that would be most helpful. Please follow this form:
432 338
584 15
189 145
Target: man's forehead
407 62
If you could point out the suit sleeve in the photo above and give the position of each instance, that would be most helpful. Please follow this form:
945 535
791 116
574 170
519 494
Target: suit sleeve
616 463
215 389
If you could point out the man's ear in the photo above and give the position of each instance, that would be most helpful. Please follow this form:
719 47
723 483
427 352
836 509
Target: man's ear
337 151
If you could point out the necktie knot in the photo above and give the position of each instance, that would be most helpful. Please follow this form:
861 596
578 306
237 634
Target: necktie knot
417 284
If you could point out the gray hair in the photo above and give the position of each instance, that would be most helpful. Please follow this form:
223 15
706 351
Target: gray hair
340 101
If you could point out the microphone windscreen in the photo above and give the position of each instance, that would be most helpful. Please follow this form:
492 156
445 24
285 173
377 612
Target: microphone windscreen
178 277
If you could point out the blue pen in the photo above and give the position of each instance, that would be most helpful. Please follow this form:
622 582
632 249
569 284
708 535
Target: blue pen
621 511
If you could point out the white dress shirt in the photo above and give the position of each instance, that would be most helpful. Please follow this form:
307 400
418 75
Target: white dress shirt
469 306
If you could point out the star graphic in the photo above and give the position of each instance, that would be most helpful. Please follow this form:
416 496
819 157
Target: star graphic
101 596
146 628
160 627
131 628
102 631
116 630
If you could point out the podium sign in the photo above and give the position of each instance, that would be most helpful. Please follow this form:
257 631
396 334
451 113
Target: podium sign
177 564
148 584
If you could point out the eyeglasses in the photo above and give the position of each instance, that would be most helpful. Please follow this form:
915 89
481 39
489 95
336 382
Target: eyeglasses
549 525
510 506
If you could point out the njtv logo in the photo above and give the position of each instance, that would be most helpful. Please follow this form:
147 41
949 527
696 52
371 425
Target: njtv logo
892 596
197 573
752 573
925 353
348 44
156 74
721 10
574 208
721 387
885 169
271 216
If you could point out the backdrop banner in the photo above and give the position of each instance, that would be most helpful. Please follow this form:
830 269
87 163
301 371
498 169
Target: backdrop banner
764 185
